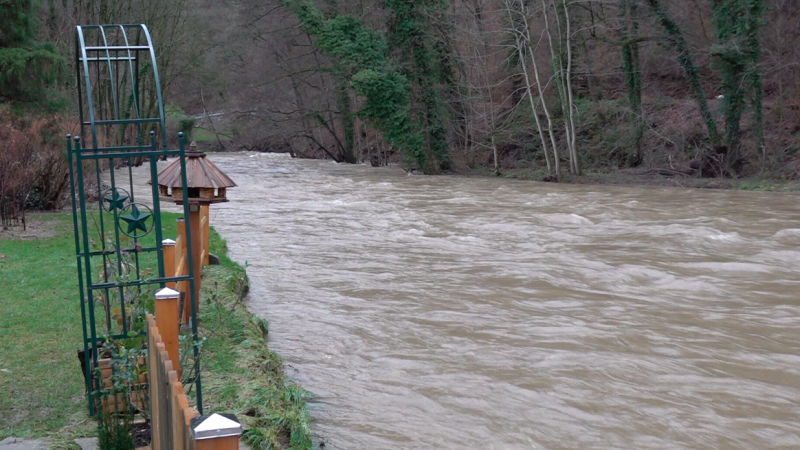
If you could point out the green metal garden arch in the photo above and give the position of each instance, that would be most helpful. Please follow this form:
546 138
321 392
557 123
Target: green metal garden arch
118 231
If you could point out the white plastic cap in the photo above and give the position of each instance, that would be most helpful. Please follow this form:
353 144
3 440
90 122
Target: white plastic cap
167 293
216 426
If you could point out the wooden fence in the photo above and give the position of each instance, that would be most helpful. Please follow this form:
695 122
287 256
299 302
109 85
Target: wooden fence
171 415
174 423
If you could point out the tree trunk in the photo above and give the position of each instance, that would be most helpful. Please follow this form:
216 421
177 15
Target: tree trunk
571 134
629 34
678 41
558 74
736 25
556 160
347 119
520 44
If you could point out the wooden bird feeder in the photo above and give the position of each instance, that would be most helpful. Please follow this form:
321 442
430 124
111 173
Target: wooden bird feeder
207 183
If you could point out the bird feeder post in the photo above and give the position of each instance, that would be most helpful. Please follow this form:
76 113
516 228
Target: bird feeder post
205 184
205 221
181 267
197 248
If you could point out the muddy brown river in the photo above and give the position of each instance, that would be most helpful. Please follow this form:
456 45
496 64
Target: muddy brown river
478 313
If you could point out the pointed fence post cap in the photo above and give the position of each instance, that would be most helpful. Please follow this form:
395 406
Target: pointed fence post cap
167 293
216 426
167 242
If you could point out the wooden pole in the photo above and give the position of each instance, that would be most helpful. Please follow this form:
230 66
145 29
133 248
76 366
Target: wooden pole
197 261
168 324
180 256
206 230
168 246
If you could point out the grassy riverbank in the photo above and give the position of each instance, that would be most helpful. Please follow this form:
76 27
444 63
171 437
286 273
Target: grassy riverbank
241 374
40 331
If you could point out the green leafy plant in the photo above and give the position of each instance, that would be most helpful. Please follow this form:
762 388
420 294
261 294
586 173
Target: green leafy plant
122 396
114 431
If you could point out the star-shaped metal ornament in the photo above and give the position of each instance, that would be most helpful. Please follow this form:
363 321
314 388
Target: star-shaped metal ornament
136 220
115 200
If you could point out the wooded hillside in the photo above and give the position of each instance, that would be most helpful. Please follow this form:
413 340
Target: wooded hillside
557 86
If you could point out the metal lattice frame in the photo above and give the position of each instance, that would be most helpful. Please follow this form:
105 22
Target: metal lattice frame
111 77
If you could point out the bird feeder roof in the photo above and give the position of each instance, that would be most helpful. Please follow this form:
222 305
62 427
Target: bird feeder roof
200 173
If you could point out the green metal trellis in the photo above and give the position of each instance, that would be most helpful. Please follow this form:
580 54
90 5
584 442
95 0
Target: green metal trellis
119 234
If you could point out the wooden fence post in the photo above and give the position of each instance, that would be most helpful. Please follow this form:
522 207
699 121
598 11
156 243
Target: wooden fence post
216 432
168 323
168 246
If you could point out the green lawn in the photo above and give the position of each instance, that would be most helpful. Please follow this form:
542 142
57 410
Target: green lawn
40 333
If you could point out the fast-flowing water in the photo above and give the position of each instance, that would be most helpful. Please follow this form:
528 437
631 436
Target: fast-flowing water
451 312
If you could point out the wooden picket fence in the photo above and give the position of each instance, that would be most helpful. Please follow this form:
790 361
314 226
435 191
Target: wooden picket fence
171 414
171 417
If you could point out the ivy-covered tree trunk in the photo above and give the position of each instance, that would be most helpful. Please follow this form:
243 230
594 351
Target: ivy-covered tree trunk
436 136
736 25
409 35
343 103
449 66
676 38
629 37
754 80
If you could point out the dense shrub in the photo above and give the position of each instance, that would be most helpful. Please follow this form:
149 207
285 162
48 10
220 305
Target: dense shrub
34 173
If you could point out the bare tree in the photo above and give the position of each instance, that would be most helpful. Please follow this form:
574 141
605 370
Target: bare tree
531 54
